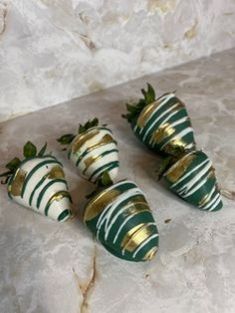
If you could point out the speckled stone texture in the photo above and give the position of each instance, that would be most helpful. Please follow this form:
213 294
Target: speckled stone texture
46 267
55 50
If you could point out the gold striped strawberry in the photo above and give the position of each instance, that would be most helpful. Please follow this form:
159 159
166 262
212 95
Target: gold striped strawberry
93 150
192 178
162 124
121 219
38 182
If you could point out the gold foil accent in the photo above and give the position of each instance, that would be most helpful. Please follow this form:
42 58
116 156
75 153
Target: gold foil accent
136 205
59 195
212 172
139 236
89 161
162 132
104 141
150 254
204 201
128 235
97 204
148 110
178 169
17 184
173 145
145 114
82 138
56 172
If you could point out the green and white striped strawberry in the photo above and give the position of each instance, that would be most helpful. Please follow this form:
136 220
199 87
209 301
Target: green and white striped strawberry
120 218
93 151
38 182
162 124
193 179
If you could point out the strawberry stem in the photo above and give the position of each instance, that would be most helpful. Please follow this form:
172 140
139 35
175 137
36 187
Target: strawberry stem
135 109
29 151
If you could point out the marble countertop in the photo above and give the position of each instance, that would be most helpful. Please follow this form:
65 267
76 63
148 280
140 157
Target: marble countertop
47 267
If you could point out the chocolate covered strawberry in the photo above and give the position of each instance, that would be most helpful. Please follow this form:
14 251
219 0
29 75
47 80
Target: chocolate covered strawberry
162 124
93 151
121 219
38 182
193 179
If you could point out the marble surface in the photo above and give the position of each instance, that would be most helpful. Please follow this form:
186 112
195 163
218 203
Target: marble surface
46 267
55 50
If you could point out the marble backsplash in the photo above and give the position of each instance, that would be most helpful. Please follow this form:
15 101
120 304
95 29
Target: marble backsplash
55 50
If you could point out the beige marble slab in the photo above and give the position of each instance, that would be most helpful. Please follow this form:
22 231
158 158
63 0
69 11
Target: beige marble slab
45 266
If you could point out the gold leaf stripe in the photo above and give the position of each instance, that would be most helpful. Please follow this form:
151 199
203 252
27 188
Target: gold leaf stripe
178 169
16 186
97 205
82 138
145 114
162 132
56 172
139 236
150 254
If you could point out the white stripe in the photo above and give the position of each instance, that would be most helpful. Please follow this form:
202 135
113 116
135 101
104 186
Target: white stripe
122 225
165 98
195 179
144 243
119 200
113 220
177 163
89 142
105 160
180 135
216 203
208 197
190 172
189 146
148 224
212 201
95 152
108 211
180 121
197 187
107 190
50 191
158 118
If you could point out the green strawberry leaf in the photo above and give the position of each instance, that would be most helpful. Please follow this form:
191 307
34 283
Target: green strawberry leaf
30 150
150 94
177 151
5 174
66 139
13 164
89 124
105 180
134 110
164 166
43 150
